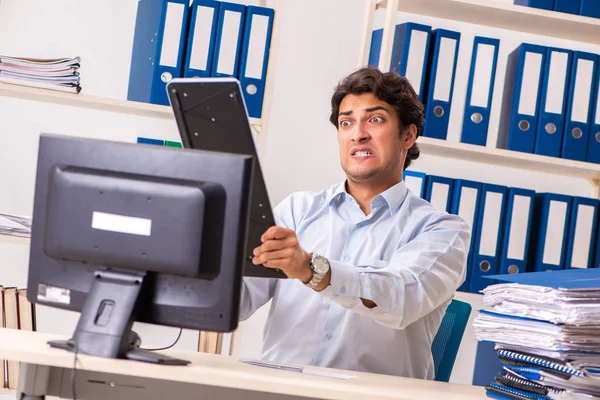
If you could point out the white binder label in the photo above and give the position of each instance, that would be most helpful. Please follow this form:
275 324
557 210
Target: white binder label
581 94
201 40
582 241
490 226
439 195
530 83
557 79
555 231
598 106
445 69
257 47
121 223
229 42
414 184
468 205
416 58
482 77
518 228
169 52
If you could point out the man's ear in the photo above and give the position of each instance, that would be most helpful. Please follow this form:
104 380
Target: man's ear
410 136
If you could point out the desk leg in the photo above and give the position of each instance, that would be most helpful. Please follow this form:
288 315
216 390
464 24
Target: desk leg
33 381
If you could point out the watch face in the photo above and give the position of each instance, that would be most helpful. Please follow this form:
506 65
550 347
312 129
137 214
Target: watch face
320 264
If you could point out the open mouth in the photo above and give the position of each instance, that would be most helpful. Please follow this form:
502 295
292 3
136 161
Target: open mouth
362 153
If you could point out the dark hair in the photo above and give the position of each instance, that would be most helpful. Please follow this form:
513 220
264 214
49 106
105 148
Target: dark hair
390 87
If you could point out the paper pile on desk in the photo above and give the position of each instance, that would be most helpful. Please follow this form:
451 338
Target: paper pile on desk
546 330
55 74
15 226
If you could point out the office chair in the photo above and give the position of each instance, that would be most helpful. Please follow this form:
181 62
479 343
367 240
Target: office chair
447 340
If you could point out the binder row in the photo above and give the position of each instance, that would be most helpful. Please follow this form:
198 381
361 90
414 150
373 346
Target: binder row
205 39
551 99
586 8
513 229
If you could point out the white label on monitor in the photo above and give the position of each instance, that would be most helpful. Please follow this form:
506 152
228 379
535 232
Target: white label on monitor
530 83
490 226
445 69
557 78
257 47
121 223
169 52
229 42
439 195
415 65
468 205
482 77
201 40
582 241
51 294
581 94
414 184
518 228
555 232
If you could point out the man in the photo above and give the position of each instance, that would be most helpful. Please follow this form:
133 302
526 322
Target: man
372 267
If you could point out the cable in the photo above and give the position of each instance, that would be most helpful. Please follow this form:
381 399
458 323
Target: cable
168 347
74 370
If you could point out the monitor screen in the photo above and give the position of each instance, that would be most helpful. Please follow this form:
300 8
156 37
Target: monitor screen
127 232
211 115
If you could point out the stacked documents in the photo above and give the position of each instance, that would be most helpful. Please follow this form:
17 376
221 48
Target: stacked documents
546 330
55 74
15 226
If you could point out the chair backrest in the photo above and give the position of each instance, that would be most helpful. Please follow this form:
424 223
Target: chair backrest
447 340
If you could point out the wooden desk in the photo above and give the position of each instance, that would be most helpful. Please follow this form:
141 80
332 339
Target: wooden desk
209 376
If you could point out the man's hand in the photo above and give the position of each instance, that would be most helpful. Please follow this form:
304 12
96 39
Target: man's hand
280 249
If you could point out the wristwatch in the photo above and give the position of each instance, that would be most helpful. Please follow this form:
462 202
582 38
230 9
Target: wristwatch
319 266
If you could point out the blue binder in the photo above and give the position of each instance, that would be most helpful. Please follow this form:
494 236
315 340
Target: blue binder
593 153
466 196
410 54
549 234
543 4
375 50
579 108
480 90
258 28
158 47
155 142
521 101
415 182
488 236
228 42
553 103
567 6
202 33
438 191
516 235
581 242
590 8
440 83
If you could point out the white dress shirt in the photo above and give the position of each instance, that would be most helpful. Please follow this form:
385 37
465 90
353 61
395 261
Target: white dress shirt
406 256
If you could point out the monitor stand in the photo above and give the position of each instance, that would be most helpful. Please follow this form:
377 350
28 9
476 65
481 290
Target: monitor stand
104 327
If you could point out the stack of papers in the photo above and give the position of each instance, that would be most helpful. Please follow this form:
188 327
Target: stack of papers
546 330
15 226
55 74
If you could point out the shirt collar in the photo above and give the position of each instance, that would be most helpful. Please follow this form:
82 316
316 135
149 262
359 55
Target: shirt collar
394 196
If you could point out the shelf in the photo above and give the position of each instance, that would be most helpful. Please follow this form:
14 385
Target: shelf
94 102
14 240
508 158
507 16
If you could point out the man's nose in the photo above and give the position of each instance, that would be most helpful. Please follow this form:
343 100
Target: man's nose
360 133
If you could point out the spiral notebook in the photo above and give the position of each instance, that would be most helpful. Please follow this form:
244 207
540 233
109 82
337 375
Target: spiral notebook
538 361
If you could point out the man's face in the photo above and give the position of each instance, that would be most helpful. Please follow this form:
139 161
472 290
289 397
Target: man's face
371 148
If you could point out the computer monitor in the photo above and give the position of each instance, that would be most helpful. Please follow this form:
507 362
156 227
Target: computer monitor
211 115
127 232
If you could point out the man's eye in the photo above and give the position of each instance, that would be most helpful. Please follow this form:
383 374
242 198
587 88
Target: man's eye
345 123
377 119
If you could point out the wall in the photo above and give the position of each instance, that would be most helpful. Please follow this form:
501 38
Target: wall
319 45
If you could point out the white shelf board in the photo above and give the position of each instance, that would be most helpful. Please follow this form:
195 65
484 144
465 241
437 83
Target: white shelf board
508 16
14 240
508 158
94 102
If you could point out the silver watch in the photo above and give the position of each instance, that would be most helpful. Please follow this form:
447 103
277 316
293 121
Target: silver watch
319 266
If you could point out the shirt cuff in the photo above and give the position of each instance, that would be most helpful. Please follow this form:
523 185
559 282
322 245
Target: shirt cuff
345 279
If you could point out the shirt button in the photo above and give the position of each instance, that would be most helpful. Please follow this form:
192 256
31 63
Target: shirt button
343 290
329 336
347 258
